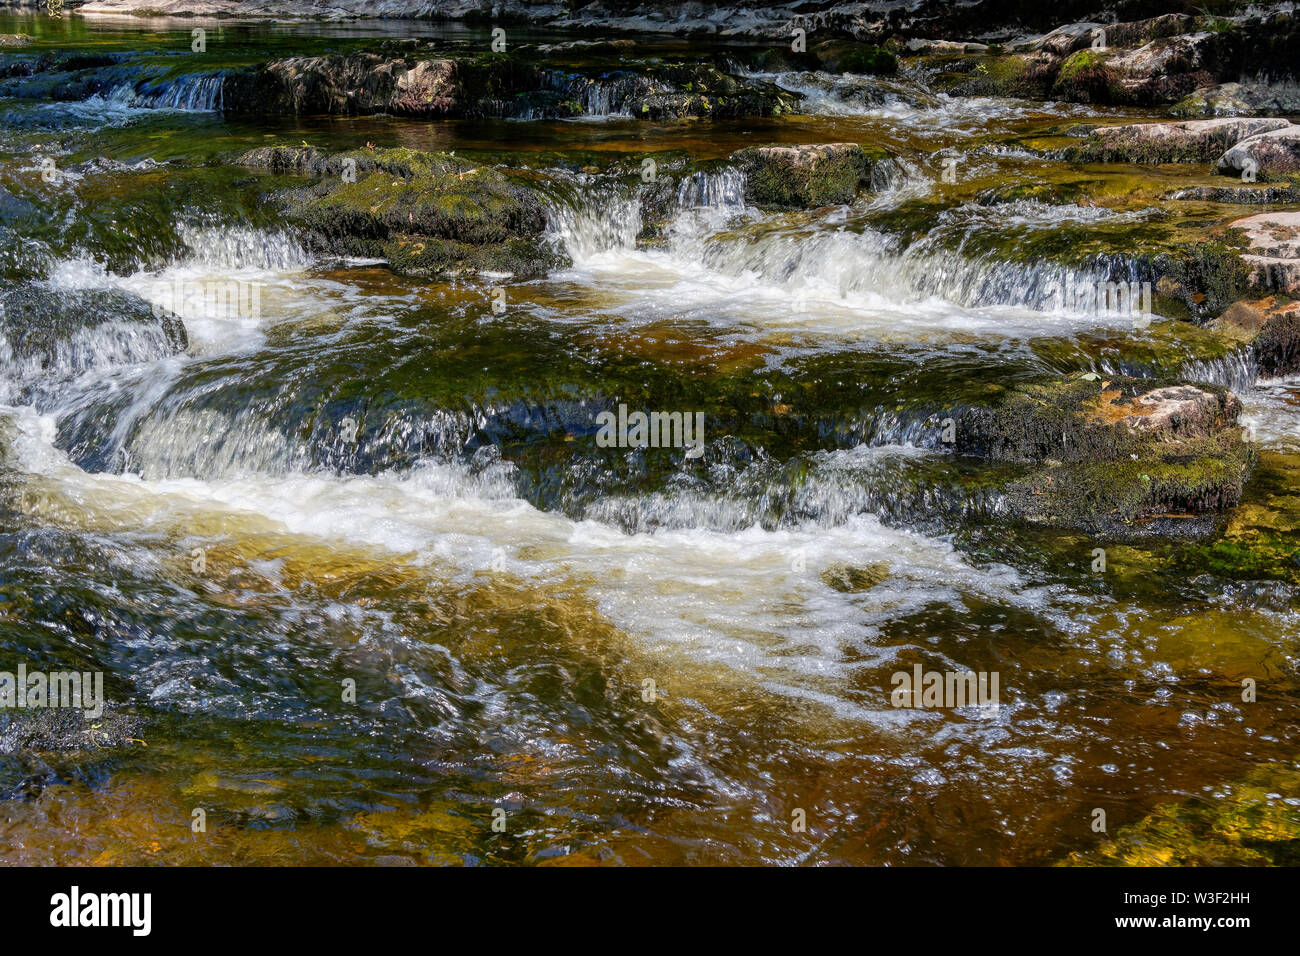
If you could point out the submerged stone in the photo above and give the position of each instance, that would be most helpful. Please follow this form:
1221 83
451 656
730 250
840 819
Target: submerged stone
1251 822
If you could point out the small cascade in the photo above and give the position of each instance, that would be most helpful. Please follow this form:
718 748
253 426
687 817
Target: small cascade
195 92
588 219
1237 371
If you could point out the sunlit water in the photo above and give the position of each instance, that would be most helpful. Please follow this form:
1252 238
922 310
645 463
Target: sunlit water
388 483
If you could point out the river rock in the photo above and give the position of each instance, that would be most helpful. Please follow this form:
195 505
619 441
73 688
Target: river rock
1241 195
428 214
803 177
61 333
1111 452
495 85
1273 250
1266 155
1256 98
1190 141
1270 327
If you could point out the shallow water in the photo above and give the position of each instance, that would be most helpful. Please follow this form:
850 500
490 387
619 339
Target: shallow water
392 484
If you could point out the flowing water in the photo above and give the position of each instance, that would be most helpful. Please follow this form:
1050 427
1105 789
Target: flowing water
349 478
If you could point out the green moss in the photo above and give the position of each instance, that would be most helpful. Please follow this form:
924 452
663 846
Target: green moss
1252 822
781 178
427 213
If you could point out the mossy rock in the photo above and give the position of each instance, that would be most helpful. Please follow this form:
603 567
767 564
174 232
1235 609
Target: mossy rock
1086 77
1192 141
1087 418
1017 74
1174 483
1261 540
1206 277
429 214
805 177
839 56
521 258
1111 452
1271 329
1253 822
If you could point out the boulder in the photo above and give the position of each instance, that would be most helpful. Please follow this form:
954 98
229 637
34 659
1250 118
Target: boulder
1272 250
1266 155
1190 141
1256 98
1110 453
803 177
1270 328
51 334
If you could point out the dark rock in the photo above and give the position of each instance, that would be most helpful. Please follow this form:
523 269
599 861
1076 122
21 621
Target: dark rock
801 177
54 334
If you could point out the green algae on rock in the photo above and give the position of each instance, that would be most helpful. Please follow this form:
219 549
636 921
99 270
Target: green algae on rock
428 214
1113 452
1192 141
802 177
1251 822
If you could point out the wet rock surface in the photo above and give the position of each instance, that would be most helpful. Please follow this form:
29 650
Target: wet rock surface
1194 141
65 333
428 214
1272 250
1114 452
802 177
